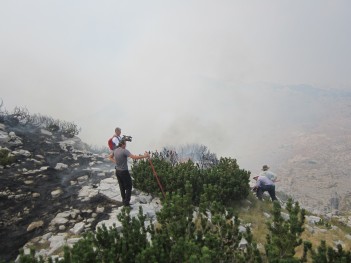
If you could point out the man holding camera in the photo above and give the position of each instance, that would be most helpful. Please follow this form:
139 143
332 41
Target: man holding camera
117 136
120 158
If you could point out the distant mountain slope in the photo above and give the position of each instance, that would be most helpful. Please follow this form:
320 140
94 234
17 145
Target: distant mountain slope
303 133
316 169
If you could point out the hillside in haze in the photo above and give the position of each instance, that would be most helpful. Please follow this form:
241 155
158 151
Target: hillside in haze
316 170
54 190
276 117
308 145
300 131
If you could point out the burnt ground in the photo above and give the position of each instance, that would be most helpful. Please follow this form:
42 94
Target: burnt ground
18 207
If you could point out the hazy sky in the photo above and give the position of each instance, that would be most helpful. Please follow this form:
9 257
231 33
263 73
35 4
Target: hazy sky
174 72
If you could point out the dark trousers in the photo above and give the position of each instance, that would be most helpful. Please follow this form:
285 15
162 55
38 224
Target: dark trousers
269 188
125 185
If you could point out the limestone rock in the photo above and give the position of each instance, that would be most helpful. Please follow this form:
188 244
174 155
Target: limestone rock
78 228
35 225
61 166
56 193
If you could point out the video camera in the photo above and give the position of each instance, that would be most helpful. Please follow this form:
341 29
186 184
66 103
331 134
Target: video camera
127 138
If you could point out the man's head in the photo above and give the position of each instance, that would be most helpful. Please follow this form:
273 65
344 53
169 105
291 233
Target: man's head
265 167
122 144
118 131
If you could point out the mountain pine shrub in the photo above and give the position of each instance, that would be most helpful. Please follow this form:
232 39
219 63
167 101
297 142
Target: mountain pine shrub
224 182
285 234
182 234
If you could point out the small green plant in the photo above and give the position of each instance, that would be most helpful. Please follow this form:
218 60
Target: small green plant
285 235
324 223
327 254
6 158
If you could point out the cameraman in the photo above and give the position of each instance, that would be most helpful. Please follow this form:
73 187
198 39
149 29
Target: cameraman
120 157
117 136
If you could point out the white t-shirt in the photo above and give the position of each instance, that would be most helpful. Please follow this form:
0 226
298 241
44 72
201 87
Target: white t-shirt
271 176
263 180
116 140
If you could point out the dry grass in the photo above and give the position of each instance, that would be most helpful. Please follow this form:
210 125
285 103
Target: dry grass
331 237
253 212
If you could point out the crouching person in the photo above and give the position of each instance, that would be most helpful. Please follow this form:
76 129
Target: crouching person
264 184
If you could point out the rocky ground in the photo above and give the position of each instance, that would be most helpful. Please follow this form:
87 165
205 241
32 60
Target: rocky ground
44 180
55 186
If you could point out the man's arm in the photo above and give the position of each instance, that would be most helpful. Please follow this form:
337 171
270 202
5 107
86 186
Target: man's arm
258 182
110 157
137 157
275 179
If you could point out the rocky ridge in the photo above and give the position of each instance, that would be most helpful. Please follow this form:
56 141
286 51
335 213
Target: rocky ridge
57 189
54 191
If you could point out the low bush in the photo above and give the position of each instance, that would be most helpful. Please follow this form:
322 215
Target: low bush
6 158
223 182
